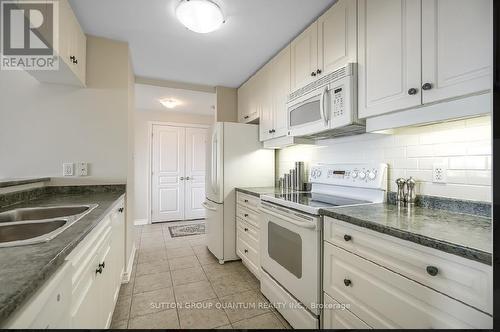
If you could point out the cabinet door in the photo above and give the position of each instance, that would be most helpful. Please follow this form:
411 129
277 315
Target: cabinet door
280 89
337 317
389 56
305 57
243 103
456 47
264 98
337 36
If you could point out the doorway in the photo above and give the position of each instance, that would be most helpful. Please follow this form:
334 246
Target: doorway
177 172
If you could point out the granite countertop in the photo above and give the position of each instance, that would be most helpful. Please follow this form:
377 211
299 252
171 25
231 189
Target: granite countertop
17 182
24 269
465 235
257 191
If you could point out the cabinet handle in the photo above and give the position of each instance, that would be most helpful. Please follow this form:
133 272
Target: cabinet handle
99 270
75 62
347 282
246 200
246 229
246 117
318 71
72 58
188 178
103 265
246 215
182 178
412 91
427 86
347 238
313 73
432 270
270 131
246 251
120 210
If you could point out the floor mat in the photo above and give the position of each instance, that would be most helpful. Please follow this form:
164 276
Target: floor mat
186 230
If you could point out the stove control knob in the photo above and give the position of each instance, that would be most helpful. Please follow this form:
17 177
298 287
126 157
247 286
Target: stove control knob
318 173
362 175
372 175
354 174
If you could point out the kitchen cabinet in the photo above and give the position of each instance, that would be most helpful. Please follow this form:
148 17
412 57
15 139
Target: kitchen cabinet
387 283
72 50
83 291
247 231
412 53
248 111
326 45
274 111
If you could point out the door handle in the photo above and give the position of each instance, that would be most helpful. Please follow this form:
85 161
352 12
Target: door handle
188 178
208 207
322 107
181 178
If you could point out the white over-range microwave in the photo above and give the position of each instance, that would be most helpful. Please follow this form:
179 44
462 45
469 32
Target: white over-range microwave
327 107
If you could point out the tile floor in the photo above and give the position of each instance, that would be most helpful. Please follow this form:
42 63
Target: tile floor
178 283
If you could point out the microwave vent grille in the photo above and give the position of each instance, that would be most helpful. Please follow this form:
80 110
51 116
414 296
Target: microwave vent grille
332 77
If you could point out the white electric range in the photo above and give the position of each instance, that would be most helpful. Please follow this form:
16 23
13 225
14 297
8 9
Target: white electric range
291 235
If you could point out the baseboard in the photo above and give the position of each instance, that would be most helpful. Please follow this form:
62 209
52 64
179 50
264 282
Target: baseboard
128 272
140 222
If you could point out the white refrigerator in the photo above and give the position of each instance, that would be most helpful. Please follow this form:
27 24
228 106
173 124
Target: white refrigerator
235 158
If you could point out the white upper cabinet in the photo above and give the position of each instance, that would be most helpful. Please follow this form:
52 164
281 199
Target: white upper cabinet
413 53
456 48
337 30
389 64
305 57
263 98
247 110
280 80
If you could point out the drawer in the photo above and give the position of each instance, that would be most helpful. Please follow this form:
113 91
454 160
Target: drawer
248 252
248 201
384 299
462 279
250 216
249 231
336 317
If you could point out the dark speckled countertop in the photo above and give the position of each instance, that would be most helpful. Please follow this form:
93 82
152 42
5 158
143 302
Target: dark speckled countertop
17 182
25 268
465 235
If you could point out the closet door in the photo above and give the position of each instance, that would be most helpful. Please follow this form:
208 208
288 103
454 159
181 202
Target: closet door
195 173
168 173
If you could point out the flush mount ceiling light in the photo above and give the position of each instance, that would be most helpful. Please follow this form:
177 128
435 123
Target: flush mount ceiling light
201 16
169 103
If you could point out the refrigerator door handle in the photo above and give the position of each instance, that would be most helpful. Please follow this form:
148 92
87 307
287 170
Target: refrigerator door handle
214 163
208 207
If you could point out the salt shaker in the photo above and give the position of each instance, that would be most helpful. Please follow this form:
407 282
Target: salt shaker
411 192
400 195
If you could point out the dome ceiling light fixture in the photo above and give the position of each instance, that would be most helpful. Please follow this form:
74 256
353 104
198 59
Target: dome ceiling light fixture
201 16
169 102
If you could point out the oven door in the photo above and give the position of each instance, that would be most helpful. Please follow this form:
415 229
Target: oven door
309 114
290 252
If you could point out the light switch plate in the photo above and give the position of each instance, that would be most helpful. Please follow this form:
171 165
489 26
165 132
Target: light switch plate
68 169
439 173
83 169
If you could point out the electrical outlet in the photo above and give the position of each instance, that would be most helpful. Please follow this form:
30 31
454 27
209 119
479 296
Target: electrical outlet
83 169
68 169
439 173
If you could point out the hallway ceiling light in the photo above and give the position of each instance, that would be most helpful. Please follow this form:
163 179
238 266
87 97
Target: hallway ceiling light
201 16
169 103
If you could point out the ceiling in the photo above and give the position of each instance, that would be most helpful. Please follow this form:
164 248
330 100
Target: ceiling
162 48
147 96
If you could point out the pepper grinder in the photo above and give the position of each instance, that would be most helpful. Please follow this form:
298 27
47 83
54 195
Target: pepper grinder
411 194
400 195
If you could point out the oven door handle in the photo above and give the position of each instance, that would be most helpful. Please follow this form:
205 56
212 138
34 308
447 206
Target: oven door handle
307 225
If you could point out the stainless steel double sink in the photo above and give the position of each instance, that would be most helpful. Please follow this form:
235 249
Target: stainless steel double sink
25 226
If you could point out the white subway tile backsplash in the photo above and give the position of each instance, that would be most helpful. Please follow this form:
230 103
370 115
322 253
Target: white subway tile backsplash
464 147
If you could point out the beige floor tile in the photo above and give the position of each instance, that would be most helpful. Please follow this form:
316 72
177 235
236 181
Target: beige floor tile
251 279
186 276
229 284
151 302
176 243
208 315
160 320
282 319
120 325
183 263
150 282
179 252
198 242
225 327
194 292
206 258
201 249
152 267
266 321
244 305
152 256
122 308
216 270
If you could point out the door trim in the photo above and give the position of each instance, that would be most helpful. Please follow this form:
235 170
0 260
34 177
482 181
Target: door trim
150 156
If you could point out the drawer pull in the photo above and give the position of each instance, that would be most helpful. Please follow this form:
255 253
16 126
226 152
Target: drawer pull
246 215
120 210
347 237
246 251
246 229
432 270
246 200
99 270
347 282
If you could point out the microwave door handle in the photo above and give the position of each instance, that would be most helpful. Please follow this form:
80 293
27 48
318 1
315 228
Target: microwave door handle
322 107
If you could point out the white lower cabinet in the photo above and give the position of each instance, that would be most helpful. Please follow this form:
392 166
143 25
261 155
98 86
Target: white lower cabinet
82 294
247 231
375 296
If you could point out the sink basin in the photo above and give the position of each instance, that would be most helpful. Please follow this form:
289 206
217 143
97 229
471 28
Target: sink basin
40 213
19 232
26 226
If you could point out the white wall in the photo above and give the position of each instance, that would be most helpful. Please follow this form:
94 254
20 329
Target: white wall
44 125
141 153
463 146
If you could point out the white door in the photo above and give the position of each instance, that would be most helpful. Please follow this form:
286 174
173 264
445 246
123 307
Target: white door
389 59
305 57
196 140
456 48
168 173
337 36
280 76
